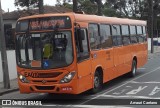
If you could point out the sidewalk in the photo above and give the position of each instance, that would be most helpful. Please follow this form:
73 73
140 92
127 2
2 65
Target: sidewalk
156 51
13 87
14 84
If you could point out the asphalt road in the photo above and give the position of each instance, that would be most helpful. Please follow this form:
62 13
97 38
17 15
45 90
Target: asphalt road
116 93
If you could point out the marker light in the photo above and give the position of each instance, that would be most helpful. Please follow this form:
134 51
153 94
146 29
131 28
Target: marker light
67 78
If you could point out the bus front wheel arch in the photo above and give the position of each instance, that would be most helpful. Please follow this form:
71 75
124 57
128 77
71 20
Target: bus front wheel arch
97 81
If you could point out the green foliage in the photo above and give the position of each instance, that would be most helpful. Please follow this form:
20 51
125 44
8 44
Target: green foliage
109 12
26 3
67 5
87 6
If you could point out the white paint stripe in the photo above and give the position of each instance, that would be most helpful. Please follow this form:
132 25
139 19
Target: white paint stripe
89 106
58 105
130 96
121 85
141 68
100 106
151 82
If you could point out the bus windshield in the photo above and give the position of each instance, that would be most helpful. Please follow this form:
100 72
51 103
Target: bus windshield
44 50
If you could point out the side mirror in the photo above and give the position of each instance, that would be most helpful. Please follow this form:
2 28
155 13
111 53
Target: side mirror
82 34
80 37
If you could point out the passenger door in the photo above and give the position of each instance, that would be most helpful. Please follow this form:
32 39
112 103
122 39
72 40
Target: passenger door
84 63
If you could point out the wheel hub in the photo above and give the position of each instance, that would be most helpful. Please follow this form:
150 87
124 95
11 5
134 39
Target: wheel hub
96 82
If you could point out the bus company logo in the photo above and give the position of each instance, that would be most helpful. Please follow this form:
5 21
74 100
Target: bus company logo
6 102
44 81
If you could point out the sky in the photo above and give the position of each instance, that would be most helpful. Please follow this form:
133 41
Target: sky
9 4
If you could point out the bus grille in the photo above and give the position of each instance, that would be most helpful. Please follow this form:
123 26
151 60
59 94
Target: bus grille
40 81
48 75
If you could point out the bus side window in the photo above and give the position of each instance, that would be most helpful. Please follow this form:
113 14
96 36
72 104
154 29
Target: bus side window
140 34
133 34
116 35
106 34
94 36
125 35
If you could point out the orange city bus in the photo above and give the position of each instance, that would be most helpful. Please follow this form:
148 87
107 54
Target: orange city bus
72 53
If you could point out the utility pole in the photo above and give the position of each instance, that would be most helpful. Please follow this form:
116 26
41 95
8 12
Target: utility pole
150 23
6 80
75 6
41 7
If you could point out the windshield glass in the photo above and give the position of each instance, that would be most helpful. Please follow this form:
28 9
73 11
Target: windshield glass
44 50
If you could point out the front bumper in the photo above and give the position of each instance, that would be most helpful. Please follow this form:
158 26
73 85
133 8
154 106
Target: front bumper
67 88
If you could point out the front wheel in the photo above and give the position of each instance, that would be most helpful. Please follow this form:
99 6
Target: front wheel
98 82
134 69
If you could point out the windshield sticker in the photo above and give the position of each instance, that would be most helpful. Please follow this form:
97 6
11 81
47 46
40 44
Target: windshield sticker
46 63
35 63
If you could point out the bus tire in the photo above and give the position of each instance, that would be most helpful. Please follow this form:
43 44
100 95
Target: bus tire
133 69
98 82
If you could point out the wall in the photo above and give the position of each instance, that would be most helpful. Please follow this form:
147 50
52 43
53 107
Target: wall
13 22
149 42
11 65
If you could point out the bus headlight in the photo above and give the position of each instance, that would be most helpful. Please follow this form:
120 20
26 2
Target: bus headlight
23 79
67 78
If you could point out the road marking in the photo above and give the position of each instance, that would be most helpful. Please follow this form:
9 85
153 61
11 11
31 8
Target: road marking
99 106
155 90
151 82
141 68
120 85
130 96
135 91
89 106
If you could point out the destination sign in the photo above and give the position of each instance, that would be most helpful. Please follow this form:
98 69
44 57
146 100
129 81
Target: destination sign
47 23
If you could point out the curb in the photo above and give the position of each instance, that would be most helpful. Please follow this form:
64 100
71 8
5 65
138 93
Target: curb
9 91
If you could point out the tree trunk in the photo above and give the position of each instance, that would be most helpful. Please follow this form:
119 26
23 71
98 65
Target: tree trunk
75 6
41 7
99 4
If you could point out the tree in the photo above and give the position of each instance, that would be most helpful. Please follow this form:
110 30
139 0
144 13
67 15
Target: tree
109 12
26 3
99 6
30 4
128 8
88 6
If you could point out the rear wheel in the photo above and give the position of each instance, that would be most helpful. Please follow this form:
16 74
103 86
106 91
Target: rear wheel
98 82
134 69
